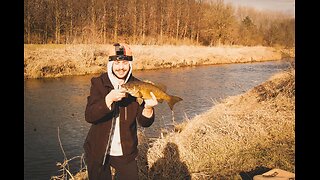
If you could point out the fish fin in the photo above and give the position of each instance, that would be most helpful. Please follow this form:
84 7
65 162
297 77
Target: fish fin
159 85
173 100
147 81
137 94
139 100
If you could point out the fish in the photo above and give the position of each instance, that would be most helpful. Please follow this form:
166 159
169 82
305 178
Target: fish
141 90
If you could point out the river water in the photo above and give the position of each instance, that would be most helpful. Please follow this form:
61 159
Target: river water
54 108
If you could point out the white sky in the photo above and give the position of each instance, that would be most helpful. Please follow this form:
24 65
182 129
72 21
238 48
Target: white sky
285 6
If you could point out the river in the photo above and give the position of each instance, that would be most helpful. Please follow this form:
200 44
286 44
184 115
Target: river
58 104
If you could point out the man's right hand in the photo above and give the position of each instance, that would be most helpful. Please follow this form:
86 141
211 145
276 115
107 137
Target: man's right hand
114 96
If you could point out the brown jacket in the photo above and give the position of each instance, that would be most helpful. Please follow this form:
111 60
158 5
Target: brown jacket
100 116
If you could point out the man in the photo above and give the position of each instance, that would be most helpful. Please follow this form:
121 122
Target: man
112 138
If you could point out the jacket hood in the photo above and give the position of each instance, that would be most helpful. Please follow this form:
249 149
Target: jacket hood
113 78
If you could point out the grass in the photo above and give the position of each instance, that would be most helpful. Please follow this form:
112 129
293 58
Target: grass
51 60
241 133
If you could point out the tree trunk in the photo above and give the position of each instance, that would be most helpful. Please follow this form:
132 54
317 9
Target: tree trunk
93 22
177 29
115 35
104 23
135 21
28 29
57 21
143 21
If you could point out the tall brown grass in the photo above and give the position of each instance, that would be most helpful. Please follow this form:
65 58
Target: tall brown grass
245 131
52 60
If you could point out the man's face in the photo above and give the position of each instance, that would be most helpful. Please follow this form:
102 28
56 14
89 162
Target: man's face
121 68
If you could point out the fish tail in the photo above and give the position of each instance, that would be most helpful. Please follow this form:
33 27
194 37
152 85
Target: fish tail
173 100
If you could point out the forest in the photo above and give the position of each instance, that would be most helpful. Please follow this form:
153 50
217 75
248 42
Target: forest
154 22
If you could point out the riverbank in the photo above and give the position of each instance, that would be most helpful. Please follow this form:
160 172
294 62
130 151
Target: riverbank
52 60
237 135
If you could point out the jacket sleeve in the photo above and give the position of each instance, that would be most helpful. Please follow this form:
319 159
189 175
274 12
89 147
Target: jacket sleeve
96 108
142 120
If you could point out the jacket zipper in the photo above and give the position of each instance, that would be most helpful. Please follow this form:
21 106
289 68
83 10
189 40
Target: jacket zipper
113 121
125 113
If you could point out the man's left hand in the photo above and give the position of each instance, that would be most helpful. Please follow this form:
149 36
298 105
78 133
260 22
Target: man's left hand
149 103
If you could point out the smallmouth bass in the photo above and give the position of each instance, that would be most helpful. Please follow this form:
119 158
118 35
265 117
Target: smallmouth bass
141 90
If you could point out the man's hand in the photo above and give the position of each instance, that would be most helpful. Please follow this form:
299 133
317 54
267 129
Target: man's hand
149 103
114 96
148 106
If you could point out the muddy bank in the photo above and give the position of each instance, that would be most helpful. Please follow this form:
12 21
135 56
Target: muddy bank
44 61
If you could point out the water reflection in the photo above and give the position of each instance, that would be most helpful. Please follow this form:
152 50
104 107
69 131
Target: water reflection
60 102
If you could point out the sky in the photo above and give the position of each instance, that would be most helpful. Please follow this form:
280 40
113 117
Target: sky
285 6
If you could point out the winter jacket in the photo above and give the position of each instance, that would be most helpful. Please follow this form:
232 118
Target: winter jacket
101 117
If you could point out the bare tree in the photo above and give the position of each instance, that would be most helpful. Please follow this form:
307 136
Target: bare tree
207 22
57 14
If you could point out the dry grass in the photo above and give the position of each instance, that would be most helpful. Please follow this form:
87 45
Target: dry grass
254 129
62 60
64 167
245 131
